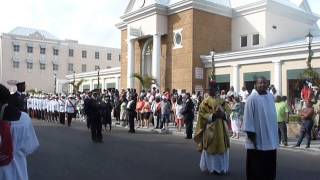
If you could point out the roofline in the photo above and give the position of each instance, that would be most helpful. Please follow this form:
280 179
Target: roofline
262 55
112 72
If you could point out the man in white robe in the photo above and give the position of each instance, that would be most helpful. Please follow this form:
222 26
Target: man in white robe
260 124
24 141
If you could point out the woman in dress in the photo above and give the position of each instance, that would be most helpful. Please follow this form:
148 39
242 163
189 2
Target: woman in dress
235 117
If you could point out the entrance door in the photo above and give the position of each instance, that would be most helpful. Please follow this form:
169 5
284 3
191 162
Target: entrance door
147 58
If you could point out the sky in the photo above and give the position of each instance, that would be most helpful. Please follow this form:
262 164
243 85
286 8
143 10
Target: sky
88 21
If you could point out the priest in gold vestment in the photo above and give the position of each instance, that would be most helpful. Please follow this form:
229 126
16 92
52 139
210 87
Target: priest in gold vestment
211 134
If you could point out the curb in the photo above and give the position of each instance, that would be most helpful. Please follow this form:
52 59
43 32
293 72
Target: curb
239 141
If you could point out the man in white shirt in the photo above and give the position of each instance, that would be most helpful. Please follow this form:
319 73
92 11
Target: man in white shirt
260 124
56 107
70 109
30 105
62 110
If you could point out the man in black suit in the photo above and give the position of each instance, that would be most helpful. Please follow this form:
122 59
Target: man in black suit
19 98
131 107
92 111
189 115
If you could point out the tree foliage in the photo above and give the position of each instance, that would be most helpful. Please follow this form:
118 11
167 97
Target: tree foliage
145 81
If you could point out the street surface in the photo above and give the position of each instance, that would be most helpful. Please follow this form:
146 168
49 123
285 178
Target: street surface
69 154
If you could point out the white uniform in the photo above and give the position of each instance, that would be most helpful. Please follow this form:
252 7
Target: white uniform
25 142
70 106
55 106
29 103
62 104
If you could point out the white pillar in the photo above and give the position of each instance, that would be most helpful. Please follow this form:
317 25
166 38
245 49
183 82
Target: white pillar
236 77
103 85
91 85
277 80
117 82
156 56
131 64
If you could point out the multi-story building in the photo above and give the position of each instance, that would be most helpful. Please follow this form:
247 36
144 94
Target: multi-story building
44 61
171 41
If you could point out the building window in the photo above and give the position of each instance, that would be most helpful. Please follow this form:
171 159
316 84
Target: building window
255 39
16 65
96 68
55 67
70 67
42 66
96 55
84 68
109 56
29 65
16 48
42 50
244 41
108 67
84 54
177 38
30 49
55 52
70 52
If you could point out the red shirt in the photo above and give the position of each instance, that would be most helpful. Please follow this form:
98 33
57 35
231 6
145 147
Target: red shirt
306 94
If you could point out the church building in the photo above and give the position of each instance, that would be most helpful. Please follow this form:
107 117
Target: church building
178 41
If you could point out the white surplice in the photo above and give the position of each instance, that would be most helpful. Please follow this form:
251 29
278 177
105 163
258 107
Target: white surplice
214 162
25 142
260 118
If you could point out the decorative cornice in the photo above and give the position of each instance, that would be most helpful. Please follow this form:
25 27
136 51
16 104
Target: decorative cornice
262 55
206 6
145 12
250 8
180 6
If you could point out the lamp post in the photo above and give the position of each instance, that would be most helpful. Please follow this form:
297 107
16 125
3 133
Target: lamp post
99 79
55 82
74 81
309 39
212 76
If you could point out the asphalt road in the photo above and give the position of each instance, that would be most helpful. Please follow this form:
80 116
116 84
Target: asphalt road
68 154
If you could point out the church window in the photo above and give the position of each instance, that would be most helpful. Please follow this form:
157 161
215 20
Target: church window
255 39
177 38
16 65
244 41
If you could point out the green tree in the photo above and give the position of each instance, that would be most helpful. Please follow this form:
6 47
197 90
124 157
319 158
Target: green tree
76 85
145 81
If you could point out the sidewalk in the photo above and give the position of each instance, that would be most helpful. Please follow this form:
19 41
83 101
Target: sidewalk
314 147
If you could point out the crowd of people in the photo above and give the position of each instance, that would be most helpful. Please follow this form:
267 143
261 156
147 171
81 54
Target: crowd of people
261 114
152 108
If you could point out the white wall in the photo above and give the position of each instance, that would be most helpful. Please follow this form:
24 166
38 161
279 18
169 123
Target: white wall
248 25
156 24
287 29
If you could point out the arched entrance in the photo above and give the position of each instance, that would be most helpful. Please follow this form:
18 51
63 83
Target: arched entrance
146 65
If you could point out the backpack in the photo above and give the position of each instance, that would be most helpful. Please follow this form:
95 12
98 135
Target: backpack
6 147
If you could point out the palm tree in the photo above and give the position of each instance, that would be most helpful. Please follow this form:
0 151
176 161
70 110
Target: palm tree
145 81
76 85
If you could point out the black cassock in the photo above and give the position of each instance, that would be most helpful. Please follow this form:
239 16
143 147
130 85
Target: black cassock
105 111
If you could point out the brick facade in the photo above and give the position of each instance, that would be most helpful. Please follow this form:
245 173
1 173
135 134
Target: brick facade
201 33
